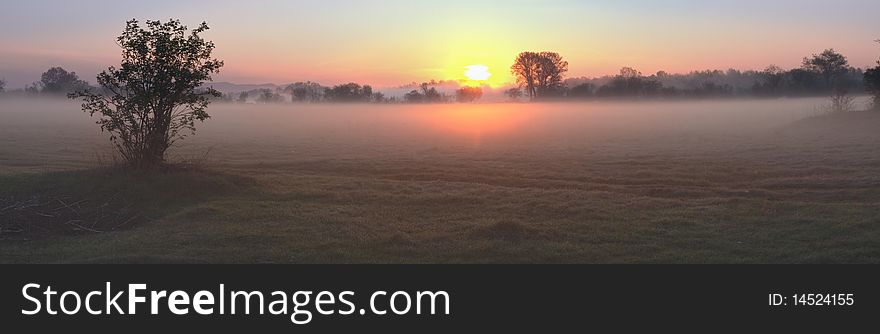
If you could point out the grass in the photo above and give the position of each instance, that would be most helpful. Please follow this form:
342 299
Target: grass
799 193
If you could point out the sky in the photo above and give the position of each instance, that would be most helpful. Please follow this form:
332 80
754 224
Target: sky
394 42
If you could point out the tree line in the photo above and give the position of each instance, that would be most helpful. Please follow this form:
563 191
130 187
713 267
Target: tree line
312 92
55 80
58 81
158 92
540 76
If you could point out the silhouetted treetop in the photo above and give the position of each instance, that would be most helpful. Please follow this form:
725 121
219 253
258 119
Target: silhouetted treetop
629 72
350 92
56 80
551 74
305 92
829 64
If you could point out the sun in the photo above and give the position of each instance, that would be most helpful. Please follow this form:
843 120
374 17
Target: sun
477 72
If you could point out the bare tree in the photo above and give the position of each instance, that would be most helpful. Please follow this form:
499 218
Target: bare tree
551 73
541 74
525 69
157 93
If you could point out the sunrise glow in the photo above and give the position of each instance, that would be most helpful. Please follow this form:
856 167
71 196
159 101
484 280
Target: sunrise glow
477 72
388 45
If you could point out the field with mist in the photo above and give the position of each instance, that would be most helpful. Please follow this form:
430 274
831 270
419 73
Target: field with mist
730 181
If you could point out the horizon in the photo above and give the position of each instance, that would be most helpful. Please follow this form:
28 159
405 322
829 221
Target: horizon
384 47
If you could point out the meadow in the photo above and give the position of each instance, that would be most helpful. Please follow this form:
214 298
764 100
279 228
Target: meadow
728 181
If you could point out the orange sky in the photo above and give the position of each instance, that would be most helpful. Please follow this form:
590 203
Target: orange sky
390 43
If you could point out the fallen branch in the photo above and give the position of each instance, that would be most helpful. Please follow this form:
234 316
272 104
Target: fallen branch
81 227
126 221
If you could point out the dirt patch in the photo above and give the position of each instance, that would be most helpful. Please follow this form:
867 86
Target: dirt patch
43 215
36 206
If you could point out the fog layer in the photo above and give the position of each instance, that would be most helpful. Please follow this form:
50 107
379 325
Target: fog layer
55 134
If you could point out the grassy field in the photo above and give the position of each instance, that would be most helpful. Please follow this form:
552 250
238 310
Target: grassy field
677 182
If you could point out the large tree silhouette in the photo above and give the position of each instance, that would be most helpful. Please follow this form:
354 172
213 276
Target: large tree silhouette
541 74
551 72
829 64
156 94
525 69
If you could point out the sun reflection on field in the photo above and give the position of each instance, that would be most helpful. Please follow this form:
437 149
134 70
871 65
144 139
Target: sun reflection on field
476 121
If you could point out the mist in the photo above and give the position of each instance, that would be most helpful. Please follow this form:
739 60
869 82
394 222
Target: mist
489 182
55 134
